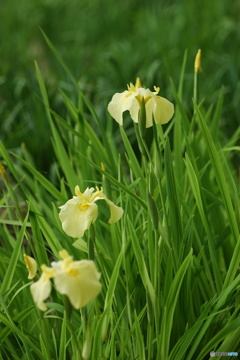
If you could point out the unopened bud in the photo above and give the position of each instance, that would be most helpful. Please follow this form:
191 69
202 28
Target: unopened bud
86 352
197 63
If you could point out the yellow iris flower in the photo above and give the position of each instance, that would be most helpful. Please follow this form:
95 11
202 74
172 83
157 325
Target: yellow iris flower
157 107
79 280
81 211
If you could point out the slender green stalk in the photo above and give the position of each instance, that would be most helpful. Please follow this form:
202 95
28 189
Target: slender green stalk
77 353
91 242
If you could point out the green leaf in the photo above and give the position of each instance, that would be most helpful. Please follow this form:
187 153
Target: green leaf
141 263
220 177
16 330
8 276
169 308
42 180
173 202
63 344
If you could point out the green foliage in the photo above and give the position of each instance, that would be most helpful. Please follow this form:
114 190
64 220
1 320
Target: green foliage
104 53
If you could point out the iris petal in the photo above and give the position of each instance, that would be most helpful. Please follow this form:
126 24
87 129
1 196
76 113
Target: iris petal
121 102
164 110
76 220
134 110
150 107
80 283
31 266
41 289
116 212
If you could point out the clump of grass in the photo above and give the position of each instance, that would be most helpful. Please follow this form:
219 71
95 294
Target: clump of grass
169 267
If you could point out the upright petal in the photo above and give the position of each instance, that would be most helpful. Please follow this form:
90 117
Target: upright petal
164 110
138 83
76 220
121 102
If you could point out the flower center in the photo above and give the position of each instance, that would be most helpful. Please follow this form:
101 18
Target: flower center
72 272
88 197
84 206
142 94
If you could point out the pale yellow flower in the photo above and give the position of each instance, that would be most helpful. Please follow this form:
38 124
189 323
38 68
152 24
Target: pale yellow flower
31 266
157 107
79 280
41 289
81 211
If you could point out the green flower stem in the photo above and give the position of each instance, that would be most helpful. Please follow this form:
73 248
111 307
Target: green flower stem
77 354
195 95
91 242
195 86
87 346
45 329
140 140
142 119
156 280
147 158
150 342
106 183
158 173
150 327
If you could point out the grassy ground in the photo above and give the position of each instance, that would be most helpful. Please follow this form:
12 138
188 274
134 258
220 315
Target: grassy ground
170 267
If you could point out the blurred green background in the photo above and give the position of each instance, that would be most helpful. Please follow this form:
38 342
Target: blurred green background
106 44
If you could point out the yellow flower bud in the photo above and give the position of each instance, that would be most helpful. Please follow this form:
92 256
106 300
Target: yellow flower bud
197 63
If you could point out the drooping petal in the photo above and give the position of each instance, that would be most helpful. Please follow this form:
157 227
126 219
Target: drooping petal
134 110
80 283
116 212
164 110
121 102
75 220
31 266
41 289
